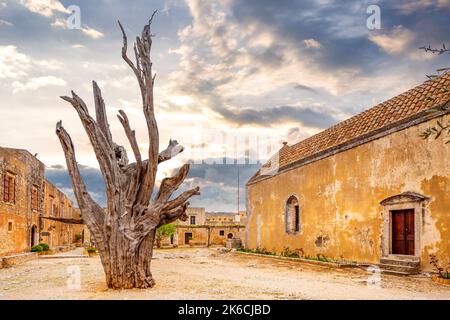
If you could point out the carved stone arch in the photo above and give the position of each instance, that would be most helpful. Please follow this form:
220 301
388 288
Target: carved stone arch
404 197
34 235
292 214
404 201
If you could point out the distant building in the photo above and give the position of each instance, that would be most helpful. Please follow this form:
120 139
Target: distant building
206 229
368 189
26 198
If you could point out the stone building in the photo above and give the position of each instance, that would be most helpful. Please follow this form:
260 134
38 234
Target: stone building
80 229
225 218
26 198
205 229
56 205
21 200
243 217
368 189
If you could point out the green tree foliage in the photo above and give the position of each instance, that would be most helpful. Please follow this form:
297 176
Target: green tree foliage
164 231
439 130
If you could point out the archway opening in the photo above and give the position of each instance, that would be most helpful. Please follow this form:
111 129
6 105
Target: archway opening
292 215
34 235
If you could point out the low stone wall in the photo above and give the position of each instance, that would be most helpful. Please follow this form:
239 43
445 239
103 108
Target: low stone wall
57 250
63 248
9 261
301 260
234 243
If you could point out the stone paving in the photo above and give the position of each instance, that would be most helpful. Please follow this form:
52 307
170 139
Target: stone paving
210 274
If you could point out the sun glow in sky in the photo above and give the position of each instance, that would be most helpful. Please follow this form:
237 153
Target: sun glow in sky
279 70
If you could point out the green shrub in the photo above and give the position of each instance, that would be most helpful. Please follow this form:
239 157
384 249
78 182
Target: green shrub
44 246
262 251
444 272
290 253
297 253
36 248
257 250
78 237
91 250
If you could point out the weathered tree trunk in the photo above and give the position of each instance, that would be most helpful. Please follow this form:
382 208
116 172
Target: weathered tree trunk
124 233
129 265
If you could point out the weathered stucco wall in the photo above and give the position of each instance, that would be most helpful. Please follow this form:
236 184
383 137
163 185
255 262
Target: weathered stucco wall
28 171
57 205
340 212
217 239
200 235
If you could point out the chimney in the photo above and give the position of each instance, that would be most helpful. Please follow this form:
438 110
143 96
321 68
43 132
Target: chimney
285 143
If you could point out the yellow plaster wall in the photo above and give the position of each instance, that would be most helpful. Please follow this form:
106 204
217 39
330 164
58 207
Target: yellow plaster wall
28 172
341 215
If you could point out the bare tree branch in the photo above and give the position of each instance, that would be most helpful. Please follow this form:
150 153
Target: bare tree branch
173 215
169 185
182 198
171 151
131 135
65 220
90 210
100 112
105 154
124 233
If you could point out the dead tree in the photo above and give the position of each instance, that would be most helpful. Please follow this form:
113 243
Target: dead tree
124 233
440 129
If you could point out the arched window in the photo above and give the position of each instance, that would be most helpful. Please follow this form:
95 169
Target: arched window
34 236
292 215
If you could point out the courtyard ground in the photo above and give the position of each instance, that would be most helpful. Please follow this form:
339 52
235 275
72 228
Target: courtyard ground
211 274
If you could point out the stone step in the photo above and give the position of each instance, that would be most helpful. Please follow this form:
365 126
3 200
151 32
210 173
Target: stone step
19 258
396 273
64 256
399 268
399 262
403 257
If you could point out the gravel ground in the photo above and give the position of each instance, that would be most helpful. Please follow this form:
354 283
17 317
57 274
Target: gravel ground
211 274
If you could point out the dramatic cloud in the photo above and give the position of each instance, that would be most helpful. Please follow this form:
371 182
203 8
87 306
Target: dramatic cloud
311 43
397 42
88 31
218 182
410 6
276 115
36 83
58 175
5 23
44 7
91 32
13 64
272 70
59 23
215 45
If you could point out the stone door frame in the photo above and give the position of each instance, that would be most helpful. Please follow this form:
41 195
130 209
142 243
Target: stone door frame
407 200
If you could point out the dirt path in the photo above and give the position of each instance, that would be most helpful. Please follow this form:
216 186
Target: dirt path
210 274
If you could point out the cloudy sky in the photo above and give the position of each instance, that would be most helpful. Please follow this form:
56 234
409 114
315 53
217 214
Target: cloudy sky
276 70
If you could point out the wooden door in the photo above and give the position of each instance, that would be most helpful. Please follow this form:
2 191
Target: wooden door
187 237
403 232
409 231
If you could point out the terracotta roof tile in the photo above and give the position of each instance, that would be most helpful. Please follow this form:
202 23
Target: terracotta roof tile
425 96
